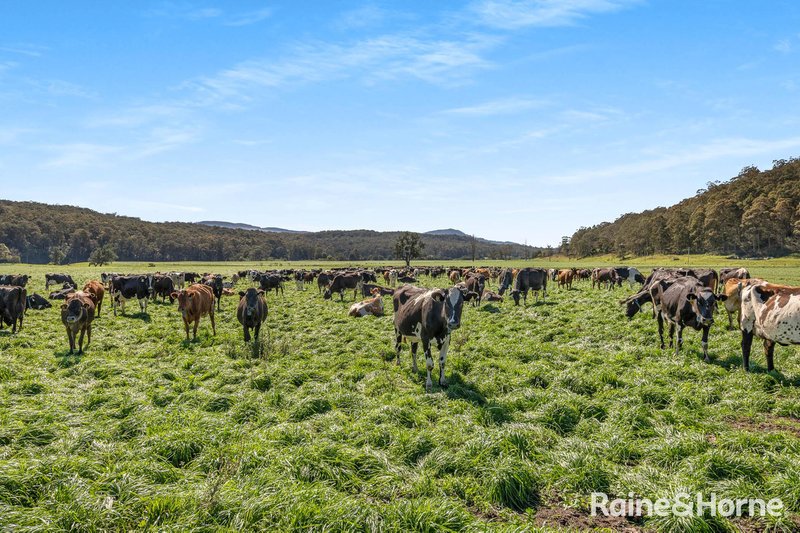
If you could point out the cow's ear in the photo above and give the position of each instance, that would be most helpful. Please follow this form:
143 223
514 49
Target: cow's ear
63 307
241 294
173 295
86 306
260 291
691 296
438 295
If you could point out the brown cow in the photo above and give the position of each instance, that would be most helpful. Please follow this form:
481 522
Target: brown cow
252 311
95 290
77 314
565 278
455 276
371 306
194 302
733 290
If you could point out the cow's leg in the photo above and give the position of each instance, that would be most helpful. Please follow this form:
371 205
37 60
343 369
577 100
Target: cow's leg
246 333
71 339
213 323
671 334
426 347
196 324
660 320
769 352
443 359
680 339
747 343
88 334
80 340
704 344
186 327
730 319
414 356
256 330
99 305
398 345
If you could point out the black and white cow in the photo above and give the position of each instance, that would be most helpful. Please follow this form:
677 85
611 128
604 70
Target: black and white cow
771 312
629 274
37 302
124 288
426 315
214 282
529 279
505 280
342 282
55 279
684 302
14 280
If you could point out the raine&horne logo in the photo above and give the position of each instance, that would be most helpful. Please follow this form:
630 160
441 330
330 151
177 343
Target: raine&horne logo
684 504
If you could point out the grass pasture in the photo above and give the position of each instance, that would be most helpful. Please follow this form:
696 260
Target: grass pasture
322 431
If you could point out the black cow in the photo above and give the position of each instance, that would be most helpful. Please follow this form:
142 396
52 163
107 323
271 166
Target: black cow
269 282
341 283
214 282
124 288
323 280
191 277
62 294
506 279
12 306
367 276
366 290
163 286
426 315
37 302
14 280
529 279
407 279
476 283
54 279
684 302
252 311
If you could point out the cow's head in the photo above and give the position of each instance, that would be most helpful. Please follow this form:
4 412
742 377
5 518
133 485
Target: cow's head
250 297
453 305
634 304
184 299
327 294
704 303
74 310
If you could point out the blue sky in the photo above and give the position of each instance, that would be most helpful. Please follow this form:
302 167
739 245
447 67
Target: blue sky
513 120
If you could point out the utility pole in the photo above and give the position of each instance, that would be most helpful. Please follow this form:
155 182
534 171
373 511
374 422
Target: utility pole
473 249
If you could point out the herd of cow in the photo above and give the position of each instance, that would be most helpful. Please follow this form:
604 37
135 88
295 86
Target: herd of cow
681 297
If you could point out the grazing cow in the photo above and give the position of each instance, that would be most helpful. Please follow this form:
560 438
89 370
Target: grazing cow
12 306
476 283
565 278
269 282
14 280
629 274
124 288
194 302
455 276
96 292
732 288
252 311
164 286
214 282
685 302
771 312
529 279
426 315
55 279
341 283
371 306
605 276
77 314
37 302
634 303
505 280
323 280
733 273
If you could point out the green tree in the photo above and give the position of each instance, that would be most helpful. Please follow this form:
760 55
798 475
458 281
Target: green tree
58 254
6 255
408 246
103 255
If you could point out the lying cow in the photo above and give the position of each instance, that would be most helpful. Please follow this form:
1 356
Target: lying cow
37 302
194 302
426 315
685 302
367 288
771 312
12 306
371 306
62 294
77 314
252 311
490 296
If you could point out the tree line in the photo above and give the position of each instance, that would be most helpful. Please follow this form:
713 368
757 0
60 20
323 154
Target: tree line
756 213
32 232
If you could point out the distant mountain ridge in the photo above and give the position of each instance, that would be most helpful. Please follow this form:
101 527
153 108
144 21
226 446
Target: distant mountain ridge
248 227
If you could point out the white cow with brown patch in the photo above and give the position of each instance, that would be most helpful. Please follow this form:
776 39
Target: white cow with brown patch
771 312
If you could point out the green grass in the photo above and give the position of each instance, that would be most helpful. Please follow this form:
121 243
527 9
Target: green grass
320 430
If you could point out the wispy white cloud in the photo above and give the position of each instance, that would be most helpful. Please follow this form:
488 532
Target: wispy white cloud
25 49
253 17
501 106
512 14
78 155
367 16
783 46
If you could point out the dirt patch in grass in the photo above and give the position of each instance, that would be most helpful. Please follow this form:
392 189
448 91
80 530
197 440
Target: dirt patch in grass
753 525
577 520
770 424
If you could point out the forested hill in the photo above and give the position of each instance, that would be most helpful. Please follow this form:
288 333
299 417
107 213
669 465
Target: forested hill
756 213
32 230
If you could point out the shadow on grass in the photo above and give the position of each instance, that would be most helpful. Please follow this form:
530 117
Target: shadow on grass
144 317
459 389
489 308
66 359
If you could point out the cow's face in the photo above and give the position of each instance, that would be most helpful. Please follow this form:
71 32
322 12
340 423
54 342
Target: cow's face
704 304
184 299
251 298
453 304
73 311
632 308
327 294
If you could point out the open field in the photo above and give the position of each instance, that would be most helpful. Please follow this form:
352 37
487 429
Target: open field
546 404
